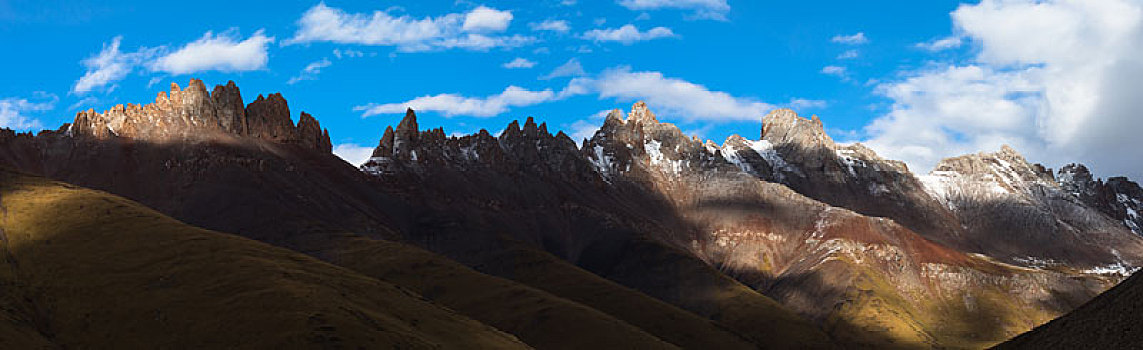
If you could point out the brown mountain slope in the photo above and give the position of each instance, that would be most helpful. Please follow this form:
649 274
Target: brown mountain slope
295 196
87 269
532 187
1113 320
868 281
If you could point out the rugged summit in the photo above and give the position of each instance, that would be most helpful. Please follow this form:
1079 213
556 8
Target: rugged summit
1118 197
788 215
1016 211
194 113
642 237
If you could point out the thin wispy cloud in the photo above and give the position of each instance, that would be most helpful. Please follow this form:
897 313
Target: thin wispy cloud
571 68
628 34
852 39
558 26
700 9
109 66
457 105
519 63
311 71
941 44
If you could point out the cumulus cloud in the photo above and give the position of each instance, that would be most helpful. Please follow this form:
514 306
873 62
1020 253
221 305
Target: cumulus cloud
571 68
311 71
519 63
559 26
853 39
14 111
353 153
486 19
628 34
454 104
703 9
469 30
224 53
1056 79
109 66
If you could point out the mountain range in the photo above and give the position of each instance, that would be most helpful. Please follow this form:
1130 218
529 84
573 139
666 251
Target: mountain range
201 221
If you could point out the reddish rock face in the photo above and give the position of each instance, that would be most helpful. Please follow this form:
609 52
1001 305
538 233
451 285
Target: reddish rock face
194 113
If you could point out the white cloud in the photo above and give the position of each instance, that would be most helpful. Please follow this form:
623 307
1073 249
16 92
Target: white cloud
677 97
519 63
1056 79
311 71
671 97
704 9
13 111
486 19
353 153
628 34
339 53
454 104
837 71
571 68
801 103
848 54
854 39
559 26
941 44
322 23
83 102
109 66
223 52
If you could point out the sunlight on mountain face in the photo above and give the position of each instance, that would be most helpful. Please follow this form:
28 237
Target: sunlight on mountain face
904 176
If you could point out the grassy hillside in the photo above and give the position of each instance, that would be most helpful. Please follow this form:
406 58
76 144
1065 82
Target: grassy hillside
556 315
85 269
539 318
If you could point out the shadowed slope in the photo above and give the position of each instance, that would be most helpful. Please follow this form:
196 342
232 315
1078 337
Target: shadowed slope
1113 320
539 318
306 199
96 270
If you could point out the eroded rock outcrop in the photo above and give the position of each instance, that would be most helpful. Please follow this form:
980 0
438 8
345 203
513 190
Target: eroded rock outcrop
195 114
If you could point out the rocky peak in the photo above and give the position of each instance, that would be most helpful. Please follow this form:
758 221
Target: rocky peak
1002 172
784 127
401 143
1077 179
640 113
229 107
195 113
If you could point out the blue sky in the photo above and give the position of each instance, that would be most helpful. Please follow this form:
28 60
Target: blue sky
916 80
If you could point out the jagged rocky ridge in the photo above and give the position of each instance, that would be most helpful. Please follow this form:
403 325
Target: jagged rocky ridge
195 113
869 252
307 200
732 206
